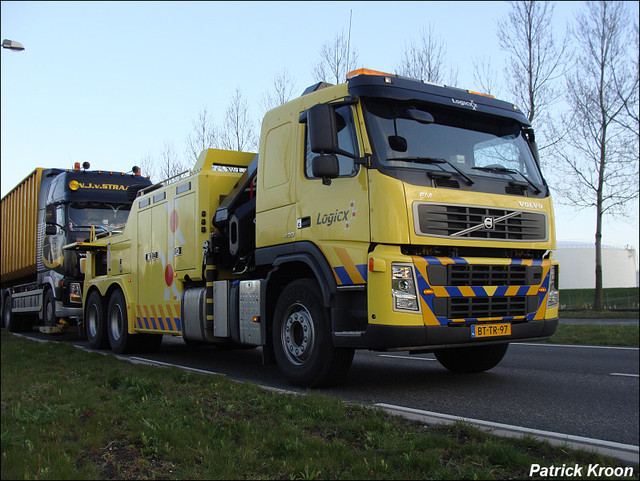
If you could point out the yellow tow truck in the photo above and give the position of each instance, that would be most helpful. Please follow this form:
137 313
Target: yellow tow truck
384 213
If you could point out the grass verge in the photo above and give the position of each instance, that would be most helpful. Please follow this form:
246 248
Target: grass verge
596 335
591 314
70 414
613 298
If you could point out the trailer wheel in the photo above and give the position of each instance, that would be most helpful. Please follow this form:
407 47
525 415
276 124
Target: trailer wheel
471 359
6 312
95 325
49 306
12 321
118 326
302 338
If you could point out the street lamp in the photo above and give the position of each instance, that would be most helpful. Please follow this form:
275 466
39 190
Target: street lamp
12 45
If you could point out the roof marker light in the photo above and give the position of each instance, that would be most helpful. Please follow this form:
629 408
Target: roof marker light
480 93
366 71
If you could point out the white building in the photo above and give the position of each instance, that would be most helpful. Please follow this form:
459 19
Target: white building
578 265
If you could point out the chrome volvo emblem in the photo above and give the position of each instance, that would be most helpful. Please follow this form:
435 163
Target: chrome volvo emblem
488 223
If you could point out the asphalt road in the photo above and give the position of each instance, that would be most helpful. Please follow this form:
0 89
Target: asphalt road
576 390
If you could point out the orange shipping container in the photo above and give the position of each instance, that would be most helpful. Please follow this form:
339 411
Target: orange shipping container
19 231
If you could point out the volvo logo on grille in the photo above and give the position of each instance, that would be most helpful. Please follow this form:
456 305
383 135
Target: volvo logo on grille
488 223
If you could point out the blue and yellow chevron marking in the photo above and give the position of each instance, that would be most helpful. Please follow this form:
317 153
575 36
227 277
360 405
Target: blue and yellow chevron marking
149 320
349 272
420 267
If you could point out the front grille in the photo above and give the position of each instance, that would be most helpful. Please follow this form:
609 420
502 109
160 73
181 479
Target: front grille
470 222
478 275
484 275
477 307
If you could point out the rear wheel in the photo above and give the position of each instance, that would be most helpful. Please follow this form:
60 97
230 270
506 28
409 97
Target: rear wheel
12 321
472 359
95 323
302 338
6 312
118 326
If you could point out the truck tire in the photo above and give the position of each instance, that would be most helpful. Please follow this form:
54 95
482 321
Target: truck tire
12 321
471 359
49 309
118 326
302 338
6 312
95 325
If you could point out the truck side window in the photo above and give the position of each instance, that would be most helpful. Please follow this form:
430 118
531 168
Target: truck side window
60 217
347 141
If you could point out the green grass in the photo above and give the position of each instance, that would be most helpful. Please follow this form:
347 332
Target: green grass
591 314
71 414
592 335
614 298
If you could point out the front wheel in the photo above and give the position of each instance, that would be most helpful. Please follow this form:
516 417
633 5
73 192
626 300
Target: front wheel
471 359
302 338
118 326
49 306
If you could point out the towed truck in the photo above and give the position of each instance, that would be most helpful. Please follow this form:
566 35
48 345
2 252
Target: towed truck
383 213
50 208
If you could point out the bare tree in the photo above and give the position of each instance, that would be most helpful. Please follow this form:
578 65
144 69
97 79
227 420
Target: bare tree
536 59
238 132
283 91
485 76
424 59
629 97
337 59
169 165
203 136
147 167
600 155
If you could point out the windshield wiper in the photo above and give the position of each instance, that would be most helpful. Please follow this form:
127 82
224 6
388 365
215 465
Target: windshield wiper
435 160
504 170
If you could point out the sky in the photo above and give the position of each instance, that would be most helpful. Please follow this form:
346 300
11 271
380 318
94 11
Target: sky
114 82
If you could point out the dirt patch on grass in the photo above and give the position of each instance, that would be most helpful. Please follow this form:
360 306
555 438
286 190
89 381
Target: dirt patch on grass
121 460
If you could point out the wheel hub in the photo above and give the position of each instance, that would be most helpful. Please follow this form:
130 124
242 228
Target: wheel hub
298 334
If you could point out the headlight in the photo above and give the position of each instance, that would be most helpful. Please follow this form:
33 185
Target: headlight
403 288
553 297
75 293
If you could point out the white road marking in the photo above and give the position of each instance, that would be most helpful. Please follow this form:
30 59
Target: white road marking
625 452
623 374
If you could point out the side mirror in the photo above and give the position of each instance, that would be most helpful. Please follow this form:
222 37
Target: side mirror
323 129
325 166
50 214
397 143
50 229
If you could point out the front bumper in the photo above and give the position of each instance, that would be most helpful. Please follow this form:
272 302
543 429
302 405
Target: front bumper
429 338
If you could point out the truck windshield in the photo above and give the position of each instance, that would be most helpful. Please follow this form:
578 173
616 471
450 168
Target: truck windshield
107 216
467 144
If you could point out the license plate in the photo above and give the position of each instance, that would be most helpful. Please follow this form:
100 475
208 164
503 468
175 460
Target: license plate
489 330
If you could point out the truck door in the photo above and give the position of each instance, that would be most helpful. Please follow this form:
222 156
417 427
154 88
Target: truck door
336 216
